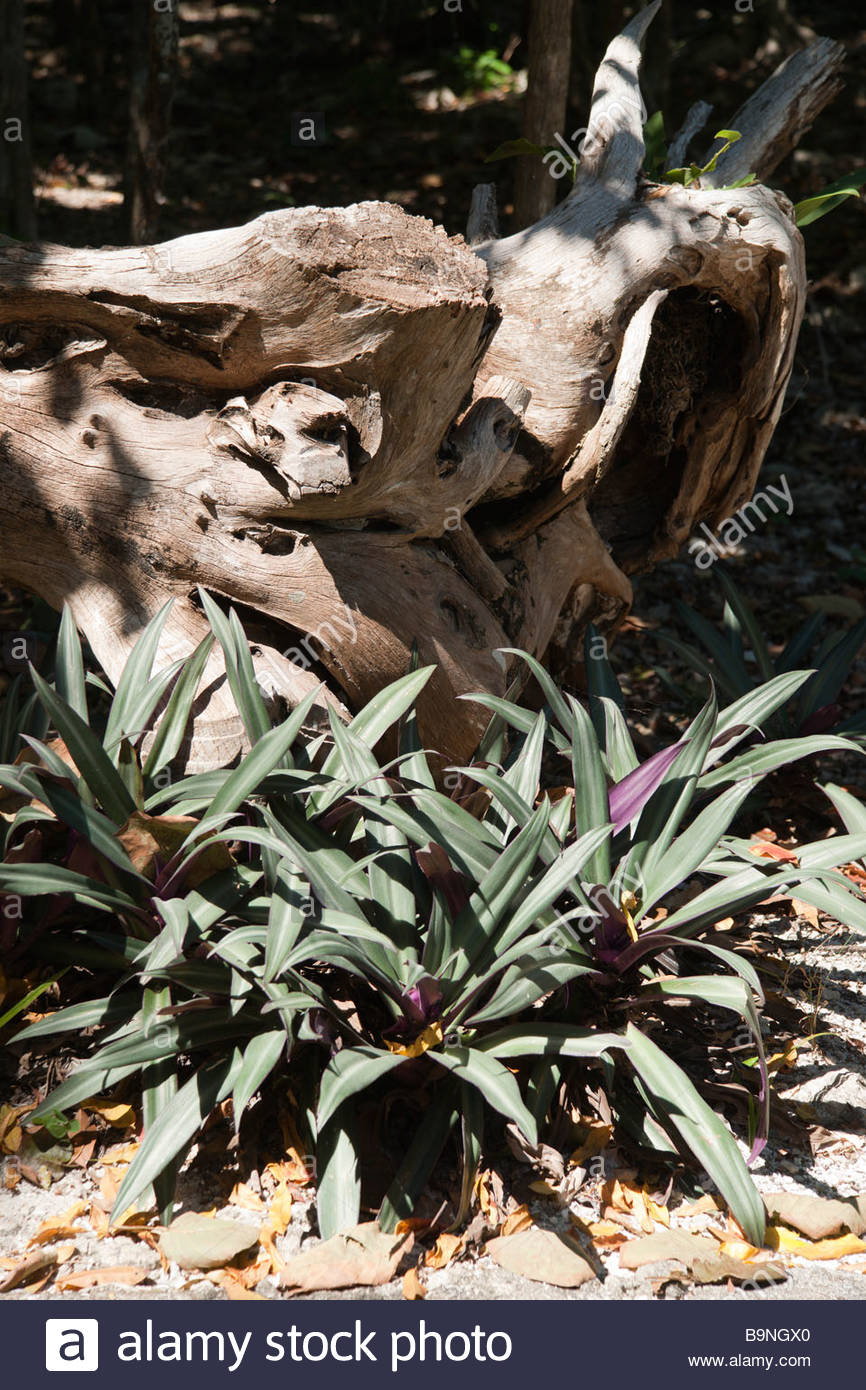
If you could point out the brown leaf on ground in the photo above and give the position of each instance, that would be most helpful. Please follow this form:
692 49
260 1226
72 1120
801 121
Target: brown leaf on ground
413 1288
543 1256
635 1201
606 1235
364 1255
32 1267
717 1269
59 1227
203 1242
235 1286
517 1221
805 910
706 1205
115 1113
244 1197
815 1217
666 1245
10 1127
446 1249
597 1139
541 1156
89 1278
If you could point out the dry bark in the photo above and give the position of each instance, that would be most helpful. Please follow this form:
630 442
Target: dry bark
367 434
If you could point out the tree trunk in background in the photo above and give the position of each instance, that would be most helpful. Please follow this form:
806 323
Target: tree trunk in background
151 92
367 434
545 105
17 214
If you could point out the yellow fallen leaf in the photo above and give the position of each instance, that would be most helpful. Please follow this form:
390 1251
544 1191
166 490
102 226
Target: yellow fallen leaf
446 1249
10 1128
596 1141
116 1113
739 1249
782 1061
280 1210
120 1153
232 1283
431 1037
780 1238
519 1220
607 1234
544 1188
99 1220
412 1286
244 1197
484 1194
293 1168
62 1226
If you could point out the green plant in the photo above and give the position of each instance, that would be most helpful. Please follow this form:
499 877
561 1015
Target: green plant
481 69
690 177
738 658
314 896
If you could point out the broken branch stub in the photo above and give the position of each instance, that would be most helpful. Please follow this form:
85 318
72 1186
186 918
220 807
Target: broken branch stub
365 434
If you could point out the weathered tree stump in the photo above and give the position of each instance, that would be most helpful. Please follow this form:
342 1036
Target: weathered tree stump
365 433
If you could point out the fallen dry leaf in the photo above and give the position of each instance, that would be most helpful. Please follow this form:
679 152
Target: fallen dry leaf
244 1197
151 840
666 1245
740 1250
194 1241
116 1154
717 1269
280 1210
764 850
31 1267
59 1227
517 1220
364 1255
783 1061
815 1217
596 1141
446 1249
806 910
779 1238
89 1278
115 1113
544 1256
702 1206
412 1285
634 1201
607 1235
235 1286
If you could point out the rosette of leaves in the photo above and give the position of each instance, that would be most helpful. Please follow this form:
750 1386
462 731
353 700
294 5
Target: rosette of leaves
737 658
314 895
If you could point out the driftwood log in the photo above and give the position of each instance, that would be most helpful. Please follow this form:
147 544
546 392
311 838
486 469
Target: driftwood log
365 433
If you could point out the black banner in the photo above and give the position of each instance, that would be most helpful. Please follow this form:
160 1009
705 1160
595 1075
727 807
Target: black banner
360 1344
